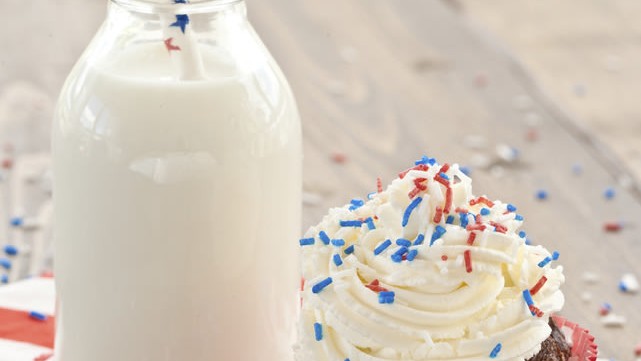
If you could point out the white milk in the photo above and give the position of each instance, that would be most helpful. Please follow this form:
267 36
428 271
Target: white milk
177 208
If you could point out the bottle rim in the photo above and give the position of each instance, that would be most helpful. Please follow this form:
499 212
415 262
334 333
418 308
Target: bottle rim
167 6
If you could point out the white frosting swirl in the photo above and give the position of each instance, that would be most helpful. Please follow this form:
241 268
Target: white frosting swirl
440 311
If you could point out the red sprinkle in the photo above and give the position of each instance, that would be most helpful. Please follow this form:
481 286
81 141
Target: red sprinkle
498 227
376 287
7 164
460 210
479 219
532 135
448 201
379 185
171 47
413 193
535 310
421 167
444 257
637 349
439 215
468 261
534 290
339 158
483 200
444 168
43 357
442 180
476 227
471 238
419 186
612 226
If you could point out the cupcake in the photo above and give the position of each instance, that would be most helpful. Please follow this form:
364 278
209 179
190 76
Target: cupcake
425 270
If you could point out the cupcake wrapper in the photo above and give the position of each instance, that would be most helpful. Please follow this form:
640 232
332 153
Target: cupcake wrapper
583 346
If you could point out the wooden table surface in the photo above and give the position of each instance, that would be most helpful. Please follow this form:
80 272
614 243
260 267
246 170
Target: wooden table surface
383 82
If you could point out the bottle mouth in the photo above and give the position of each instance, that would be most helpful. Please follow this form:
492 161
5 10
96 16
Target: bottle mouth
173 6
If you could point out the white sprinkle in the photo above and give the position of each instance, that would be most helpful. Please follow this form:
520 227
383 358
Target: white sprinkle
480 161
629 283
613 320
586 297
474 141
590 277
507 153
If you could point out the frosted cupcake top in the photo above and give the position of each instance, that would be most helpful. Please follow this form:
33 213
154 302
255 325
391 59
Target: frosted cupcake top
425 270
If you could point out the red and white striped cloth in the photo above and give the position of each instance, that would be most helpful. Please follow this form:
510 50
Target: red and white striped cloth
22 337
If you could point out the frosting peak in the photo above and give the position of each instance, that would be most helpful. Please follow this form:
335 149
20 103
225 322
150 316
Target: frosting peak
424 270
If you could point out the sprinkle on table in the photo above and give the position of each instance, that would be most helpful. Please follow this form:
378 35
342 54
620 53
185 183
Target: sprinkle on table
4 279
10 250
496 350
541 194
612 226
5 263
605 309
321 285
609 193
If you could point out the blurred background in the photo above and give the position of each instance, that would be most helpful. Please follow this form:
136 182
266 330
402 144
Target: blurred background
538 99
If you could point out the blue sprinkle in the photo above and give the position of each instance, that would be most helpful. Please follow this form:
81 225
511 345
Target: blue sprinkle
5 263
412 254
511 208
444 176
528 297
386 297
398 255
38 316
324 237
370 223
609 193
4 279
545 261
338 242
306 241
438 232
338 261
485 212
181 22
463 217
623 287
355 223
17 221
349 250
419 239
518 217
180 1
321 285
425 160
466 170
371 195
577 168
403 242
410 208
522 234
381 247
541 194
450 219
357 202
555 255
10 250
528 241
318 331
496 350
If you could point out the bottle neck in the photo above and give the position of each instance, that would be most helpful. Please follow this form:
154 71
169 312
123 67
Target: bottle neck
178 6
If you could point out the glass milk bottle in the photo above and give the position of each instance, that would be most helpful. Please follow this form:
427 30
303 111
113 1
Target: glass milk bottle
177 186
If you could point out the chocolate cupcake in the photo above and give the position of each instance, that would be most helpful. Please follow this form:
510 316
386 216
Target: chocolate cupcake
425 270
